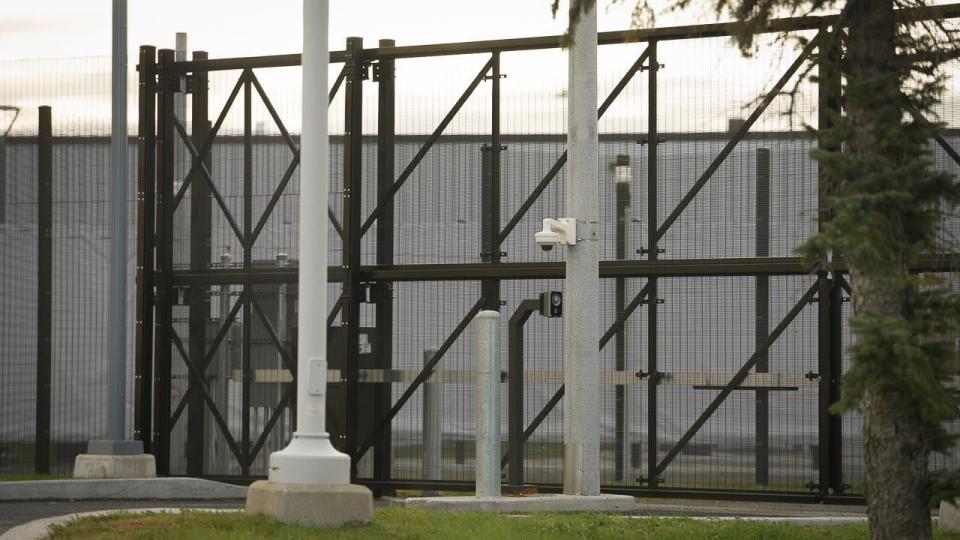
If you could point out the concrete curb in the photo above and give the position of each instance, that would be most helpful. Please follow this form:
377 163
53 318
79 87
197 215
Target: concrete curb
126 489
534 503
39 529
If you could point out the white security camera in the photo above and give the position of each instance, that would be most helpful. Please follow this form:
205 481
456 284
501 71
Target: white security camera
562 231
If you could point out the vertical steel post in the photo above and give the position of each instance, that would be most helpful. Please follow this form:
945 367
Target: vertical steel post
118 231
352 295
515 412
386 99
835 422
247 265
829 89
146 232
3 178
432 423
165 293
488 403
201 225
44 289
823 402
652 367
220 389
490 195
180 55
762 317
620 338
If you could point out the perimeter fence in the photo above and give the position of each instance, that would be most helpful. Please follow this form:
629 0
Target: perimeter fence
721 350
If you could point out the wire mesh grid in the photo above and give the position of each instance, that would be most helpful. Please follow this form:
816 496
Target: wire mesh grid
706 326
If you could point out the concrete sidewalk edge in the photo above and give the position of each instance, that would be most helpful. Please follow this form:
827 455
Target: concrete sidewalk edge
126 489
38 529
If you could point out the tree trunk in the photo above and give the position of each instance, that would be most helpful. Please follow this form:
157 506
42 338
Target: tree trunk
895 443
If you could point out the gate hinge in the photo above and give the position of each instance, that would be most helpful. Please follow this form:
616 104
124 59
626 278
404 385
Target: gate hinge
657 67
490 77
360 69
380 71
811 376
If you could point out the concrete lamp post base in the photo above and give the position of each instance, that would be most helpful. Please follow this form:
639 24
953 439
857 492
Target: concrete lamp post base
114 459
311 505
310 485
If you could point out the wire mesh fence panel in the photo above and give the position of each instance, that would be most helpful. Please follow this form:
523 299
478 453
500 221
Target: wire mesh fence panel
74 371
702 192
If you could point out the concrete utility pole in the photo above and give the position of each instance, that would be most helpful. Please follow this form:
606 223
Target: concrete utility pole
581 356
116 456
309 480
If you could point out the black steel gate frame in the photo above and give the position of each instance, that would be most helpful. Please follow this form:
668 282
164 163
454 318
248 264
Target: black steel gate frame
158 282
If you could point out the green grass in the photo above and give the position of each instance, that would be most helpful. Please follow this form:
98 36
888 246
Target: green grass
409 524
22 477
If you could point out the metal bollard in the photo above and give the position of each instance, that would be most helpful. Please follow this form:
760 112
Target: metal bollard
488 404
431 427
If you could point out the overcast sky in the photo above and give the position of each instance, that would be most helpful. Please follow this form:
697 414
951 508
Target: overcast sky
66 28
705 82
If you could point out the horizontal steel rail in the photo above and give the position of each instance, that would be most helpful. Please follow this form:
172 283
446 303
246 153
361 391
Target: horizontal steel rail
506 138
773 266
789 24
696 379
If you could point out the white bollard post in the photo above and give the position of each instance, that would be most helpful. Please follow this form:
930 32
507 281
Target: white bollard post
432 443
488 404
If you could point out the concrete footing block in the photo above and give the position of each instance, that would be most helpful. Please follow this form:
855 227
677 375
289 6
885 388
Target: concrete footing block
527 504
114 466
311 505
949 517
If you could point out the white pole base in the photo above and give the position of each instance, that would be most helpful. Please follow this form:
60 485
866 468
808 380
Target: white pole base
310 459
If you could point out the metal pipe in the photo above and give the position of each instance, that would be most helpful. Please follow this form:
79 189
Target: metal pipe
488 403
200 227
432 420
653 369
581 357
315 174
220 379
622 178
762 316
386 146
118 238
310 458
146 234
44 290
515 438
180 55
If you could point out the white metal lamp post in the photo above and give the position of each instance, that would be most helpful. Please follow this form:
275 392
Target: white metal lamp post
309 480
310 458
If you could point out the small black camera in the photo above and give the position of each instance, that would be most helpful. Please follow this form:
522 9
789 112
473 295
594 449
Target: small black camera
551 304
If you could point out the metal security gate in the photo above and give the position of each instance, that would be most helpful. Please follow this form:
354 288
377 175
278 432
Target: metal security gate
721 359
